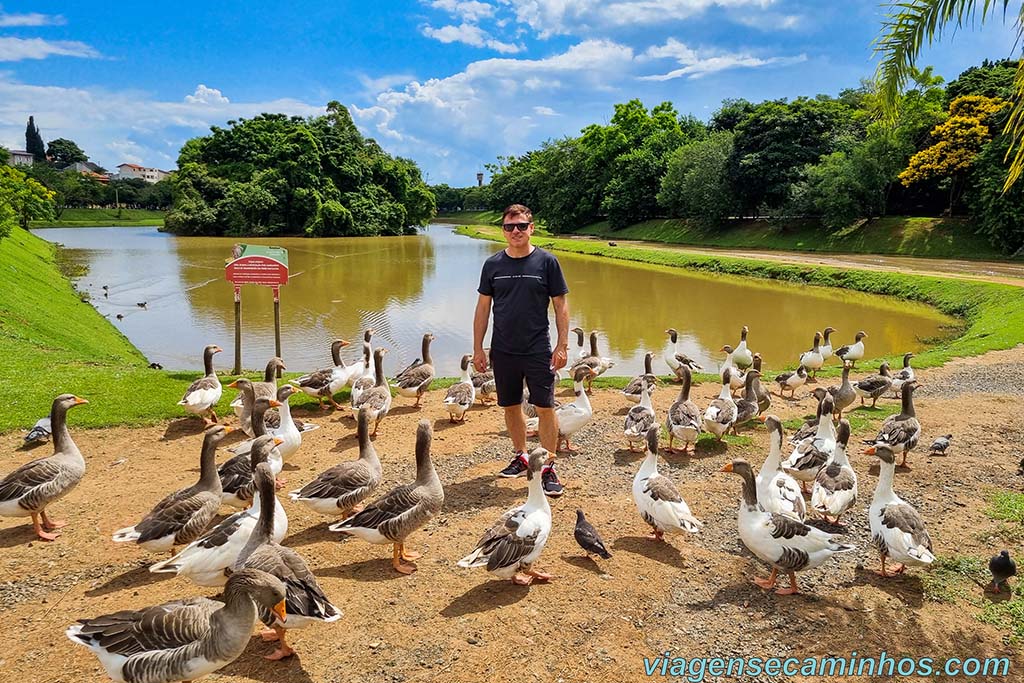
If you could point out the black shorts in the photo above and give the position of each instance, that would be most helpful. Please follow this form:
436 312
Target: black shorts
509 372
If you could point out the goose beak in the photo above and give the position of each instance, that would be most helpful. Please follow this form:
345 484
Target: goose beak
278 441
79 401
726 468
233 385
345 342
217 349
870 451
275 403
228 430
279 611
762 418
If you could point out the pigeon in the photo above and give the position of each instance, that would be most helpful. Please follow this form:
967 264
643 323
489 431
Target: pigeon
40 432
155 366
140 304
940 445
105 288
586 535
613 244
1002 568
120 317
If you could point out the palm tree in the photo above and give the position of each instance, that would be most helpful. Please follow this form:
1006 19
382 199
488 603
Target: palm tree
912 24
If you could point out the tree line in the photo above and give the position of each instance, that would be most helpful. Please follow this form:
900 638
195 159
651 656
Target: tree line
839 159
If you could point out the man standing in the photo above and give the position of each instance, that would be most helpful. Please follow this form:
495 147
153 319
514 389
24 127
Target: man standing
519 281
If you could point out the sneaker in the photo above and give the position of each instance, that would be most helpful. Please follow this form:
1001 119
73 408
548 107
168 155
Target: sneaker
516 468
549 480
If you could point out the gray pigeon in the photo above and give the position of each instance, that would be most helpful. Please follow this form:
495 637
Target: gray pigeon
1002 568
586 535
940 445
40 432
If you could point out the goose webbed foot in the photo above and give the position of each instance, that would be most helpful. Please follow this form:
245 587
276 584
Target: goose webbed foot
769 583
283 650
792 590
398 563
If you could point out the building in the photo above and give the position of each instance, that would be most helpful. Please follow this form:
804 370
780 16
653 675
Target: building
19 157
150 175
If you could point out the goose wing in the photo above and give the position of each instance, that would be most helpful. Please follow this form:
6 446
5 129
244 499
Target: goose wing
160 627
34 482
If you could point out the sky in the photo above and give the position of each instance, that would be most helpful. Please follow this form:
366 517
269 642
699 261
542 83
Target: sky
451 84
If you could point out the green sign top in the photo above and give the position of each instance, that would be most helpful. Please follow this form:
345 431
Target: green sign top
277 253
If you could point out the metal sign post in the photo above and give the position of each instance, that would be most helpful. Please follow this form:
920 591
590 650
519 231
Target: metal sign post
256 265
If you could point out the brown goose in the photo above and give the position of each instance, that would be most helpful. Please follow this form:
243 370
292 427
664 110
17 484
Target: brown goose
460 396
305 602
594 361
403 510
340 489
901 432
835 486
844 395
747 408
326 382
236 473
202 395
28 490
632 390
683 421
366 379
875 386
182 640
414 380
376 399
764 397
182 517
266 388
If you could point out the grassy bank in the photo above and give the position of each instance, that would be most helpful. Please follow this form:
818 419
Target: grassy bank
91 218
469 218
993 314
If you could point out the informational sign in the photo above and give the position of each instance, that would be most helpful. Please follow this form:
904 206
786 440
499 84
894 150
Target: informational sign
257 265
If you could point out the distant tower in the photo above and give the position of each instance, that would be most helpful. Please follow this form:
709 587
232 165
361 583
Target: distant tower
479 179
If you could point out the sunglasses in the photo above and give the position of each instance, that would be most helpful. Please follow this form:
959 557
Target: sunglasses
521 227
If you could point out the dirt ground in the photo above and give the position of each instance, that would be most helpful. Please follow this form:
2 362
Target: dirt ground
597 620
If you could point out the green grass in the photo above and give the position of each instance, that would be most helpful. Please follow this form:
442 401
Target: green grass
992 314
469 218
956 579
951 579
90 218
1008 507
898 235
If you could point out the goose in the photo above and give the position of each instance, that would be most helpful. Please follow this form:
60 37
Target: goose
844 395
742 356
202 395
394 516
792 381
513 544
204 560
851 353
340 489
835 486
901 432
784 542
684 420
747 408
736 378
267 388
581 349
415 379
235 474
40 432
676 360
305 602
530 410
376 399
366 380
291 436
810 426
720 415
460 396
898 531
813 360
777 491
875 386
30 489
594 360
571 416
483 382
181 517
657 499
826 344
764 397
904 375
639 418
181 640
813 452
327 382
632 390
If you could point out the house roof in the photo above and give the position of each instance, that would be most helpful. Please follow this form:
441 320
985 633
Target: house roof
135 166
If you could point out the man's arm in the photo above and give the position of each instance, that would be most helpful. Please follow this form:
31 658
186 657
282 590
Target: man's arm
560 355
480 318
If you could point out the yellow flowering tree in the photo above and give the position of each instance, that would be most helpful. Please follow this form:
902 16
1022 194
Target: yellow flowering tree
21 200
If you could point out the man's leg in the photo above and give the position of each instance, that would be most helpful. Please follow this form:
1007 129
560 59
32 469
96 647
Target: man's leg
508 380
548 427
515 422
540 379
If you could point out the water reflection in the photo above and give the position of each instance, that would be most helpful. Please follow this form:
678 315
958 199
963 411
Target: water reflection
404 286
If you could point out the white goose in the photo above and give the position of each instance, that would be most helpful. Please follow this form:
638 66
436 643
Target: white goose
897 530
365 381
835 486
639 418
325 383
720 415
657 499
742 356
683 421
676 360
736 376
202 395
813 360
572 417
852 353
786 543
826 344
632 390
777 490
291 437
811 454
510 548
460 396
904 375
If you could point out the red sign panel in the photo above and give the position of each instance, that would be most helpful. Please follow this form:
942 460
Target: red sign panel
257 270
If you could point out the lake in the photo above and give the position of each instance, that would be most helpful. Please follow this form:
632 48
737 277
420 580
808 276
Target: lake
405 286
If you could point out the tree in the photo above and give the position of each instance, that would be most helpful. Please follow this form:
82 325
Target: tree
991 79
64 152
912 24
21 199
34 142
696 182
999 215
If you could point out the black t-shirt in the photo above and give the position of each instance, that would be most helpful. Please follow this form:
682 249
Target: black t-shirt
521 290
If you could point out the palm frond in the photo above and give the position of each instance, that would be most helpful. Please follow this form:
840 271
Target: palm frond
1015 124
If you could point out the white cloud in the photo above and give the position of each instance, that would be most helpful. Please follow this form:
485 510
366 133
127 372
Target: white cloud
31 19
204 95
385 82
470 34
17 49
699 63
467 10
770 21
117 125
545 111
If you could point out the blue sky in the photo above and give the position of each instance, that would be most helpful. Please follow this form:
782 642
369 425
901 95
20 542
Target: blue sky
451 84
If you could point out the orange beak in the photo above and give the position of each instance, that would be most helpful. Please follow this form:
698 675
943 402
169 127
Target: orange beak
870 451
278 609
275 403
278 441
228 430
79 401
233 385
345 342
217 350
762 418
726 468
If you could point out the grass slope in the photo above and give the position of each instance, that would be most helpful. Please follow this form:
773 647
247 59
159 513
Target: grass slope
993 314
469 218
90 218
